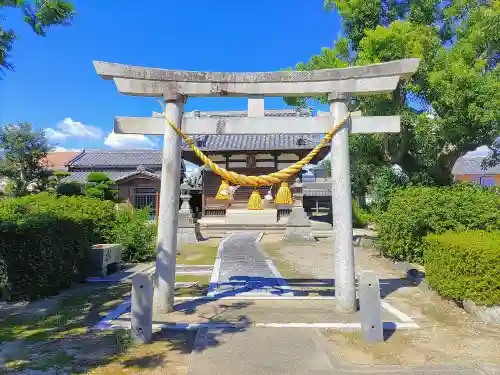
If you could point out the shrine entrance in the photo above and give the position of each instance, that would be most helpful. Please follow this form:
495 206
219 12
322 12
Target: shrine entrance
174 87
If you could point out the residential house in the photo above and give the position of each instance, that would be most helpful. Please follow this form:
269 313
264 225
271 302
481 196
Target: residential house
469 168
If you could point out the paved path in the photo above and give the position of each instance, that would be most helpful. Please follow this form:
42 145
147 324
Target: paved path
276 351
243 268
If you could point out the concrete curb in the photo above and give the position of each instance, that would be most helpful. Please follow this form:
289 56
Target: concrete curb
487 314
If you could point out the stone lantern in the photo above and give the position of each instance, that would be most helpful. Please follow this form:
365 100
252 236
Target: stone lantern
188 230
298 226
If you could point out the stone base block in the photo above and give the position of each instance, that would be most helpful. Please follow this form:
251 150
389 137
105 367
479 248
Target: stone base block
298 234
142 307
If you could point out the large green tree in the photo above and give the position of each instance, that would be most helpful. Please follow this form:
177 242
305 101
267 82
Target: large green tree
24 149
39 15
451 106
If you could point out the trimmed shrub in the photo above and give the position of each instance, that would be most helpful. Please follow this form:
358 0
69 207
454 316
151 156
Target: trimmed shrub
45 240
101 214
99 185
464 265
98 177
42 255
133 229
69 189
414 212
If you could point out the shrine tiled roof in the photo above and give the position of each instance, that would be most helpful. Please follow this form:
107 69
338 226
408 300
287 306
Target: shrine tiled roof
255 142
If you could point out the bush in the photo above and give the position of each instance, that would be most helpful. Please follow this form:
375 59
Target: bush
415 212
69 189
42 255
101 214
464 265
360 217
99 185
385 182
134 230
44 241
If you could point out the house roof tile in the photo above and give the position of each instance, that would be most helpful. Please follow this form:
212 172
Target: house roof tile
248 142
81 177
473 166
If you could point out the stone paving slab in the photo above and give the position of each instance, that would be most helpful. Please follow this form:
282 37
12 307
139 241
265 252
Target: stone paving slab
244 268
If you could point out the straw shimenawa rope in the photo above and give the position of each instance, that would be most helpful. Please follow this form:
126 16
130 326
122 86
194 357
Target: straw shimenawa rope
263 180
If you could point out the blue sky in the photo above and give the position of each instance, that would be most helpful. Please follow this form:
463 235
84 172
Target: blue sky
56 88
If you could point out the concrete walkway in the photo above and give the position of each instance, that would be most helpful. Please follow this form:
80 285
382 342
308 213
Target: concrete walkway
278 351
242 268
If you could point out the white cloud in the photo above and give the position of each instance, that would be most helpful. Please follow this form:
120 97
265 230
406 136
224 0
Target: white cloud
114 140
78 129
55 135
69 128
65 149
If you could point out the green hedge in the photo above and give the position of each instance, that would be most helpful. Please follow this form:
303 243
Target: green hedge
414 212
42 255
101 214
133 229
44 241
464 265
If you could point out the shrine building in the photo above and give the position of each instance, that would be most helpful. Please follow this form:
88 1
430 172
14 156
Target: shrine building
137 172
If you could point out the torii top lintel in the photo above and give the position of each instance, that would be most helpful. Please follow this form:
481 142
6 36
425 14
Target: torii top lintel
362 80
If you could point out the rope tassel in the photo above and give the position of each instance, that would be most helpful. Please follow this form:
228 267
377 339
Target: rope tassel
224 192
284 195
255 201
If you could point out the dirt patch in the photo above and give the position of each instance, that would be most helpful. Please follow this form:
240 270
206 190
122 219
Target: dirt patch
62 342
447 333
167 354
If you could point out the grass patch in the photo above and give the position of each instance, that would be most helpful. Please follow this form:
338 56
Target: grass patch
198 290
202 253
164 355
72 316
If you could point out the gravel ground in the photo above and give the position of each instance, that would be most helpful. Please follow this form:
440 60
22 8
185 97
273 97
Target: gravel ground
447 333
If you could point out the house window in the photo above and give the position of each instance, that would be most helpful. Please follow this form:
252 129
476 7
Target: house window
487 181
143 196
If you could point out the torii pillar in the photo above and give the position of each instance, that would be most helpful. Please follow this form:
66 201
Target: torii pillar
345 281
174 86
166 247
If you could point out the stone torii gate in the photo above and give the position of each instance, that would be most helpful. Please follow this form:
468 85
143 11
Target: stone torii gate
175 86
